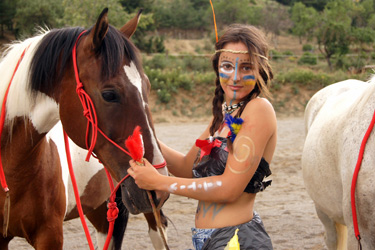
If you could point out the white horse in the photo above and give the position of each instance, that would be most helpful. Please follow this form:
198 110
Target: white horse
336 120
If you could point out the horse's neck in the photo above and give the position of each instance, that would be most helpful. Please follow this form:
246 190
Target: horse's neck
21 145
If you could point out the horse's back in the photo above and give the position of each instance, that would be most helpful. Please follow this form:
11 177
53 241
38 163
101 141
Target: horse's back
331 97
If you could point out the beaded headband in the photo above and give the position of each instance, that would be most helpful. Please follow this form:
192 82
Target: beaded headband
239 52
228 50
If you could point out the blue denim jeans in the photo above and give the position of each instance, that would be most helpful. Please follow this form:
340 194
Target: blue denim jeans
199 236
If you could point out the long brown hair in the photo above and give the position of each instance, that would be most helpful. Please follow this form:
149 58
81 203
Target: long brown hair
256 44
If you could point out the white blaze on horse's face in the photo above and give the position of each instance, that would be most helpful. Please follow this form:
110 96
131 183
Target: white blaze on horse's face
135 78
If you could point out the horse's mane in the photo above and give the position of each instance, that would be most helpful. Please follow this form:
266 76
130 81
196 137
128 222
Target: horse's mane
55 50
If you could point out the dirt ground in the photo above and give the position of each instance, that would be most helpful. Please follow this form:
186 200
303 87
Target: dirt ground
285 207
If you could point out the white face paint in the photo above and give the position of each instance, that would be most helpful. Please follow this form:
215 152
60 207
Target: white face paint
194 186
135 78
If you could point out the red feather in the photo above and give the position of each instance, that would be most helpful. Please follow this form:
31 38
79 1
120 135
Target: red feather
134 144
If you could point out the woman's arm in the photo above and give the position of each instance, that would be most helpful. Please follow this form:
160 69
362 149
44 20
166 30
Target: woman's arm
179 164
248 148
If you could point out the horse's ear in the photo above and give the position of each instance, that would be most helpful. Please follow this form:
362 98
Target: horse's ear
99 30
129 28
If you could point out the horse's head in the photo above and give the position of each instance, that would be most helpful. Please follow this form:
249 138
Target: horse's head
111 73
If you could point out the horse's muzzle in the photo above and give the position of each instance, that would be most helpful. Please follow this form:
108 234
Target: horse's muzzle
137 200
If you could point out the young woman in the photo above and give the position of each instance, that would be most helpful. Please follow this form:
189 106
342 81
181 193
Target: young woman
226 167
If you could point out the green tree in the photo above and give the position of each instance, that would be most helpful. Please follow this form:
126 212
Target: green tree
333 32
304 19
84 13
316 4
228 12
180 14
33 14
132 6
7 12
274 20
200 4
363 36
362 12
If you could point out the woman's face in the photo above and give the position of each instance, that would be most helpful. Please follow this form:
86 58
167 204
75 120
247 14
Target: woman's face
236 73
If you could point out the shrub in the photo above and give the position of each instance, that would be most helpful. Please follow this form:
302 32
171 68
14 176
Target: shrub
308 58
195 63
275 55
288 53
307 48
163 95
158 61
304 77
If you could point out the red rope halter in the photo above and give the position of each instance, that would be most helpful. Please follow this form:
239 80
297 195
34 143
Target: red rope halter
90 113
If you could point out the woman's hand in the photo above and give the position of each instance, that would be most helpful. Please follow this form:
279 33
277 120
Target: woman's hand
145 176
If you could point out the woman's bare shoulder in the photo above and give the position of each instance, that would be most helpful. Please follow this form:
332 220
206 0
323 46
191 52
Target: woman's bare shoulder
259 107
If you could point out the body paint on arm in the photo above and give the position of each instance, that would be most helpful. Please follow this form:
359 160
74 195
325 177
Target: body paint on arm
243 151
194 186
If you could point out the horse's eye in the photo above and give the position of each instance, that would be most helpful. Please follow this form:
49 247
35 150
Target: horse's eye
110 96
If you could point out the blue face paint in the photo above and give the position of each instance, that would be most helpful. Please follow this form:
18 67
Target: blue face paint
249 80
235 71
248 77
224 78
234 81
234 97
222 75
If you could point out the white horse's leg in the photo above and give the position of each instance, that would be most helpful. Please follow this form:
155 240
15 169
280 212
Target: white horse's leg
155 235
156 239
330 229
101 238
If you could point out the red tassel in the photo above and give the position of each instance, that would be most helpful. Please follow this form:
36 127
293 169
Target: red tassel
134 144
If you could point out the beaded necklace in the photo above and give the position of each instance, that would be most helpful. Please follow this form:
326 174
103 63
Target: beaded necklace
231 108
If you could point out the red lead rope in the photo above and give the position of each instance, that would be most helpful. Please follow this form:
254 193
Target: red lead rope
4 184
354 180
2 120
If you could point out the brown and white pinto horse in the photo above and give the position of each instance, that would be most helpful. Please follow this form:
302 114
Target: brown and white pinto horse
42 92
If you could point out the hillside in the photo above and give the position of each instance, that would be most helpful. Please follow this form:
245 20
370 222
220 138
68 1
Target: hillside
195 105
